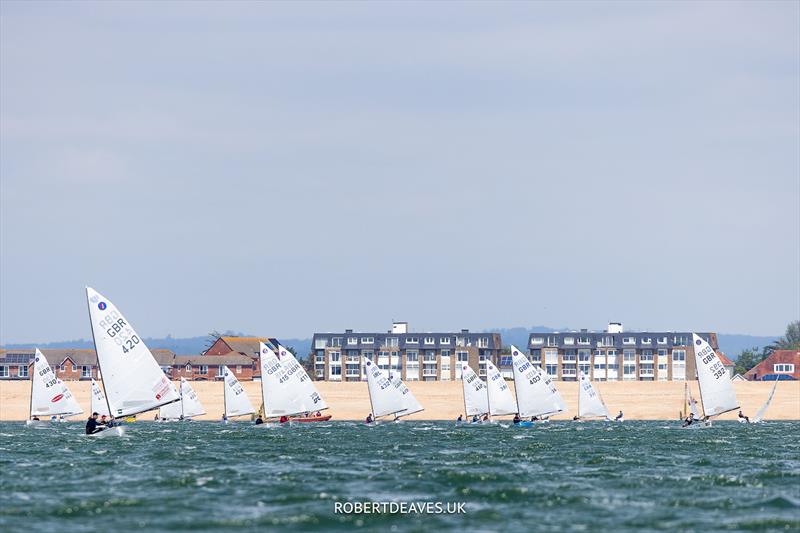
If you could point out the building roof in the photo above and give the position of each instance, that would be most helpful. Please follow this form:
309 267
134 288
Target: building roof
724 359
230 359
766 367
244 345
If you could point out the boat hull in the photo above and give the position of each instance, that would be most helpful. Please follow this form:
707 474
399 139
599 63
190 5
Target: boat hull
116 431
307 419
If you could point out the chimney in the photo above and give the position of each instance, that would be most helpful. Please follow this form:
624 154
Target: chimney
614 327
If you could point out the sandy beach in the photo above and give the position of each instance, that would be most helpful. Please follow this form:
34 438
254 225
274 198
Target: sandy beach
444 400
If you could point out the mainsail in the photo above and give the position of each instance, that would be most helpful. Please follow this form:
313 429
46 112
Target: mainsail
589 401
501 402
409 401
49 395
535 391
761 412
191 404
716 389
692 404
476 398
308 397
282 392
99 404
384 397
132 379
236 401
172 411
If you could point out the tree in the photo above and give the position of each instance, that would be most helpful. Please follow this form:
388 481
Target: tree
748 359
790 341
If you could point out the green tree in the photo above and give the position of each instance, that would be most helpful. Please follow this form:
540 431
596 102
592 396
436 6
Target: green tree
748 359
790 341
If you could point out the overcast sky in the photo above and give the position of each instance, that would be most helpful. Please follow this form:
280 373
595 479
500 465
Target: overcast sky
282 169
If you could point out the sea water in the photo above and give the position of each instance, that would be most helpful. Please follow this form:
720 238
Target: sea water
204 476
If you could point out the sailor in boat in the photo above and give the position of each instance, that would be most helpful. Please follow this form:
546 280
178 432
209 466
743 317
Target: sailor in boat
486 418
283 419
53 418
259 420
688 421
460 418
517 419
743 418
317 414
369 419
103 421
224 417
474 418
620 416
92 426
576 418
35 418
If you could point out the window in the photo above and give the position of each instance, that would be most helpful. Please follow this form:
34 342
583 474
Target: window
320 343
367 340
648 352
86 371
483 342
628 340
462 357
444 340
336 342
430 355
445 353
662 352
537 340
203 370
412 355
238 369
551 356
394 353
677 355
335 356
599 367
680 340
608 340
569 355
461 341
22 371
336 370
644 357
584 340
662 340
783 368
61 367
320 373
392 342
647 340
506 360
628 369
320 358
352 340
188 368
584 355
629 354
569 340
368 353
412 340
551 370
611 353
430 340
3 371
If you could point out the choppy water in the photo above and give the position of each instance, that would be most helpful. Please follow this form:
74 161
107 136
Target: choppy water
203 476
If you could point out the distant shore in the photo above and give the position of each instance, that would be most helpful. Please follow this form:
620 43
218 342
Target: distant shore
639 400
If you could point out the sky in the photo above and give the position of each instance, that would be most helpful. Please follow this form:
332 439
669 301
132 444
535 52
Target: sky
286 168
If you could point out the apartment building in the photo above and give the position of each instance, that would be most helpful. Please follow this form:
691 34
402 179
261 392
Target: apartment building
417 356
618 355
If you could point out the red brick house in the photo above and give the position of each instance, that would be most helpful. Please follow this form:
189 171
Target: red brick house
782 364
247 346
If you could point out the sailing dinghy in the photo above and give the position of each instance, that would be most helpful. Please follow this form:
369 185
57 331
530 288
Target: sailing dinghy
716 390
501 401
188 406
590 404
535 392
388 395
294 368
286 389
50 397
235 400
476 394
132 380
761 412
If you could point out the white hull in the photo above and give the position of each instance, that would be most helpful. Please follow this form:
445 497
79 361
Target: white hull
38 424
116 431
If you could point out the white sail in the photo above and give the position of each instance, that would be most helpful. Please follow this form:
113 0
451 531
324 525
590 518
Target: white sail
501 401
476 398
132 379
536 393
171 411
49 395
281 390
385 398
761 412
191 404
693 409
236 401
589 401
410 403
308 397
716 389
99 404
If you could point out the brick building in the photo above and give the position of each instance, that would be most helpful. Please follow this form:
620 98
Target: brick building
780 365
619 355
417 356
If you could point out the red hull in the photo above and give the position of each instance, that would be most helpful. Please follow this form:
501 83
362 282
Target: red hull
324 418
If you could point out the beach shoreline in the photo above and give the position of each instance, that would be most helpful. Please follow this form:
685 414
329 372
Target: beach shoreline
638 400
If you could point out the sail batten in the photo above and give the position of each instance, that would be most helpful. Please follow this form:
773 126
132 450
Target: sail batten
49 395
132 380
716 389
536 393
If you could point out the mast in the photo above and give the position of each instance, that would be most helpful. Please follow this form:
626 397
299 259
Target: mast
97 356
371 407
30 405
224 391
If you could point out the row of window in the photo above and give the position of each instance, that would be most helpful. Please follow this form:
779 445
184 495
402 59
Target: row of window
336 342
22 370
607 340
